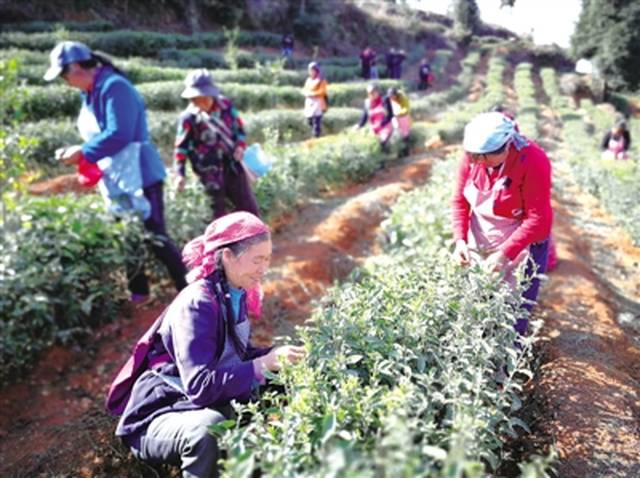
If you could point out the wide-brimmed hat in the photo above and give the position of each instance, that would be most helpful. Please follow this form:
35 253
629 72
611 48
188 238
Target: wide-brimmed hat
64 54
199 83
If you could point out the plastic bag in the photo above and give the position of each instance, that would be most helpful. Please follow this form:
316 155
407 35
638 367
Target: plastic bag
88 173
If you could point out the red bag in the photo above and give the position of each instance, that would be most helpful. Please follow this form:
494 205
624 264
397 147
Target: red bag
88 173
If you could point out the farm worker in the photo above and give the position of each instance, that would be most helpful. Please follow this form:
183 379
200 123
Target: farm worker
502 202
211 136
390 59
113 116
397 58
367 58
425 76
315 102
401 120
287 46
377 109
197 357
615 143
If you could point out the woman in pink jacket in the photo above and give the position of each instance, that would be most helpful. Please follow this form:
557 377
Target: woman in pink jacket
502 212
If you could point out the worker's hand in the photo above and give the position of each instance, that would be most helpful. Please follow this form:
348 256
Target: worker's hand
70 155
496 261
238 153
461 253
178 183
278 356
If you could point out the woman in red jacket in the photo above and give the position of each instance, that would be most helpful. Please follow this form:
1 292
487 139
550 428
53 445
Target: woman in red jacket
502 203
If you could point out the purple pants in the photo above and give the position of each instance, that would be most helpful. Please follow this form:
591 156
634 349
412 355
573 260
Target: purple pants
162 246
236 188
537 263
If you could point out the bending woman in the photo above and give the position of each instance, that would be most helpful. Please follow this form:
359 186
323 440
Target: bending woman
114 110
502 203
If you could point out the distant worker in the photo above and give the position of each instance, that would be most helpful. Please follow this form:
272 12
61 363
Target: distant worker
378 111
399 57
367 60
425 76
390 60
615 143
287 46
401 119
315 93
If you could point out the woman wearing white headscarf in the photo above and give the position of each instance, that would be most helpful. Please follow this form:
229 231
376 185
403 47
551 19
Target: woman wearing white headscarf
502 204
315 93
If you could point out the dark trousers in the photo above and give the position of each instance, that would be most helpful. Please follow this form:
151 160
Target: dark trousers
315 122
162 246
536 264
236 188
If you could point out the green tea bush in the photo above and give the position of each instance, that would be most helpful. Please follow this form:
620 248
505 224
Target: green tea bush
133 43
62 263
410 366
43 26
27 57
528 109
52 101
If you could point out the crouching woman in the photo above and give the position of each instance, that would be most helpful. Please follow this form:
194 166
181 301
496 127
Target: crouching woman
197 357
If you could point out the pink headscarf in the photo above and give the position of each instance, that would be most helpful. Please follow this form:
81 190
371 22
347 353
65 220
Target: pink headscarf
199 254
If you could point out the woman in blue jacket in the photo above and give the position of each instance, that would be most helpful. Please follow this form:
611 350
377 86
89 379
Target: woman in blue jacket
115 110
198 356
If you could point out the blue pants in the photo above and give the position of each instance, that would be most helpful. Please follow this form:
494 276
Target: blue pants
315 122
182 438
162 245
537 263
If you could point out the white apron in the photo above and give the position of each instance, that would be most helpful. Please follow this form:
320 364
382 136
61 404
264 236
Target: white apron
121 183
488 231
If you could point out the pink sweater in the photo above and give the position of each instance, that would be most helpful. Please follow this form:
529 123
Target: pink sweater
526 195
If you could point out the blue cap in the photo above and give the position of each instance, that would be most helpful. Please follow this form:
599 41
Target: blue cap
64 54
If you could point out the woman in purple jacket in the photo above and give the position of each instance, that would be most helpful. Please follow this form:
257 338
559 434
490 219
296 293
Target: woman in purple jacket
199 356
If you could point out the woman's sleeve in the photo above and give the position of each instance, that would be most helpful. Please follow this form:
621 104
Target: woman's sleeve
238 128
627 140
254 352
196 343
538 215
604 144
121 115
182 145
461 208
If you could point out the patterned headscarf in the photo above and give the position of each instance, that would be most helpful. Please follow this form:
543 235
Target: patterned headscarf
199 254
488 132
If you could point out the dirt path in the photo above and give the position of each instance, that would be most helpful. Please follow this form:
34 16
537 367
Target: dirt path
53 424
589 378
